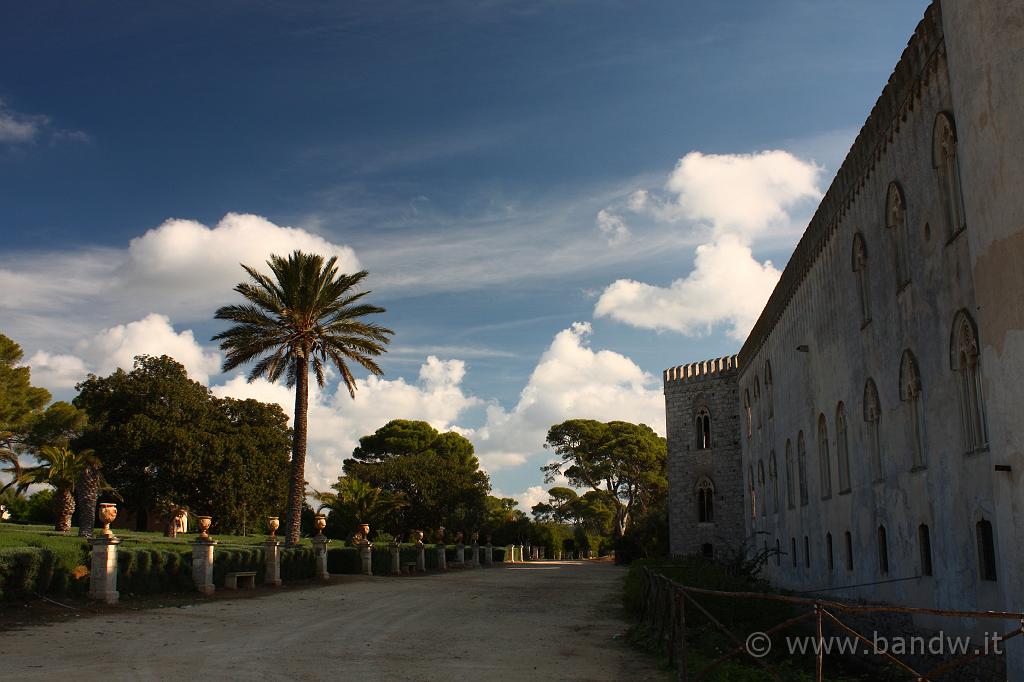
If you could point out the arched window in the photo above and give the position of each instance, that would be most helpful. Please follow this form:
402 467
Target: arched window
792 550
761 486
702 429
849 551
883 551
757 401
896 222
860 270
828 552
842 449
768 390
910 393
964 359
872 418
752 490
801 465
924 543
824 462
807 552
790 477
747 412
705 501
986 550
947 166
773 476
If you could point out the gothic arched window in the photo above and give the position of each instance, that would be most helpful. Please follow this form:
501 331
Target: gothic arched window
702 429
747 412
773 476
872 419
824 461
768 390
801 465
896 222
761 487
790 476
752 490
860 269
705 501
910 393
947 166
842 449
965 360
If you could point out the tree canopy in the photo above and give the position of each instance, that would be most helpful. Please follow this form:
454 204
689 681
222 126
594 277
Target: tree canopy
167 443
20 402
627 462
437 473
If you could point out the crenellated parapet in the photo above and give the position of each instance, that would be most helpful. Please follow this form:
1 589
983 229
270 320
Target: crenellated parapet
705 369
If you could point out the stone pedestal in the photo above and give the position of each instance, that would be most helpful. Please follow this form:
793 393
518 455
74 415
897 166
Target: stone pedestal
320 557
442 565
103 573
396 559
488 555
365 555
460 553
272 551
525 552
518 552
476 555
421 557
542 553
202 565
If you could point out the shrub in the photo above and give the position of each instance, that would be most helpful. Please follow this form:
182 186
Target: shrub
150 571
498 554
240 559
25 571
298 563
344 560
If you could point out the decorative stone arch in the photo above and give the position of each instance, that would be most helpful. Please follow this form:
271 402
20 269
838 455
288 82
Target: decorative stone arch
842 449
859 260
910 393
824 459
946 162
872 424
704 491
965 360
896 223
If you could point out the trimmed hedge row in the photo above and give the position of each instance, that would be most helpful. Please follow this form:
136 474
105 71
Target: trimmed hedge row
344 560
25 572
147 571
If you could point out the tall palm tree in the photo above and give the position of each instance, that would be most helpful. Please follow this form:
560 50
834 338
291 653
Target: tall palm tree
306 314
357 501
60 467
87 491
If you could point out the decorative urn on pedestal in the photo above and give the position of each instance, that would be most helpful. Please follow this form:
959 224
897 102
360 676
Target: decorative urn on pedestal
418 537
320 522
107 514
475 537
273 523
204 527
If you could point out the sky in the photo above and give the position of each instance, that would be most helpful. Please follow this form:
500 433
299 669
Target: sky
555 200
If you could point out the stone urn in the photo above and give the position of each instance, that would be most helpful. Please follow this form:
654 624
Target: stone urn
204 527
320 521
107 514
418 537
475 537
362 535
458 538
273 523
439 534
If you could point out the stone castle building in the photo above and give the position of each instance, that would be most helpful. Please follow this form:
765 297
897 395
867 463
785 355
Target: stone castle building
870 432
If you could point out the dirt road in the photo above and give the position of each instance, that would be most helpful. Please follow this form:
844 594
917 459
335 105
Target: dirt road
538 621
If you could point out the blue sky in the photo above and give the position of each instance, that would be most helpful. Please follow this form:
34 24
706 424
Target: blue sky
503 169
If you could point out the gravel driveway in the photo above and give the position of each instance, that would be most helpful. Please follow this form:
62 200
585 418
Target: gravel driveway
537 621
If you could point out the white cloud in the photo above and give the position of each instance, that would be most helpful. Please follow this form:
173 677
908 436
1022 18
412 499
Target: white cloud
15 127
736 199
726 286
613 227
117 346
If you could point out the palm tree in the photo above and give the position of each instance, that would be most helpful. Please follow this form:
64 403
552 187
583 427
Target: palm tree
87 491
357 501
59 466
307 313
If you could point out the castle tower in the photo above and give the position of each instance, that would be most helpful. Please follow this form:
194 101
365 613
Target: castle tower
705 479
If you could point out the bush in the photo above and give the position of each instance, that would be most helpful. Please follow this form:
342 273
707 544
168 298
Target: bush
25 571
498 554
298 563
344 560
240 559
150 571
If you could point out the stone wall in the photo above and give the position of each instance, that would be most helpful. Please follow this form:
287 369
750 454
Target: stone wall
709 385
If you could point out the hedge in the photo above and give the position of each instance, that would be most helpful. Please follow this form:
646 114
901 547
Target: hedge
148 571
298 563
498 554
344 560
25 572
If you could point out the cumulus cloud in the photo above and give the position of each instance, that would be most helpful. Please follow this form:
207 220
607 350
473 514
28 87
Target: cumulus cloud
613 227
735 200
19 128
117 346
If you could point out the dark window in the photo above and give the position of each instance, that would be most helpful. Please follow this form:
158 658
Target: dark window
924 541
986 551
705 501
703 429
792 550
707 550
828 551
849 551
807 552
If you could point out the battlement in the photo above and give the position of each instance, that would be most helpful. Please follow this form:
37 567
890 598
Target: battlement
705 369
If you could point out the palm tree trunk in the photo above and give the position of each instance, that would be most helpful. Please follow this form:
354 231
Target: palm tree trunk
65 501
86 491
297 492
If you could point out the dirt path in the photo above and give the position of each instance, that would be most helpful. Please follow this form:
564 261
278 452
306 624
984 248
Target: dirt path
539 621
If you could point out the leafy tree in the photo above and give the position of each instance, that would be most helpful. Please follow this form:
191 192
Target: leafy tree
307 313
167 444
355 502
625 461
59 467
20 401
436 472
505 522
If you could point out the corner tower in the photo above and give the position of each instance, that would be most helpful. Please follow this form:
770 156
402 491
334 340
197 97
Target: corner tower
705 479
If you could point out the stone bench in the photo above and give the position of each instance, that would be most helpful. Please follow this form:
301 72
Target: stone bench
409 567
248 580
